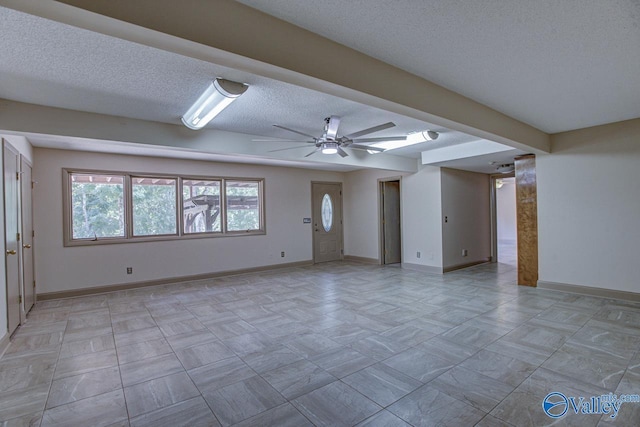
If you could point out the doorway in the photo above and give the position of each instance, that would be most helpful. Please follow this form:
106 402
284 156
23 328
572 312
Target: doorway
391 244
12 238
506 228
326 208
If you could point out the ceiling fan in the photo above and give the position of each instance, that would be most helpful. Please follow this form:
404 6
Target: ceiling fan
331 143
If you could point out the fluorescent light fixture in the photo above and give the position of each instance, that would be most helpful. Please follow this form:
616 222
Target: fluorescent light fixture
329 148
216 98
412 138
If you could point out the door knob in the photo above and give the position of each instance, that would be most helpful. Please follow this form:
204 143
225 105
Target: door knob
11 252
26 246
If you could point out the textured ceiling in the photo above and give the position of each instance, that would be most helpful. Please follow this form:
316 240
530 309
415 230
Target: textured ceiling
48 63
556 65
53 64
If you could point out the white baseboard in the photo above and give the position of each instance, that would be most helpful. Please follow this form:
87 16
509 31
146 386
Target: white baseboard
169 280
361 259
590 291
424 268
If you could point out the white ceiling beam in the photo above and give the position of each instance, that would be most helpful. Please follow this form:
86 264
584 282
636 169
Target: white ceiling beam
462 151
228 33
25 119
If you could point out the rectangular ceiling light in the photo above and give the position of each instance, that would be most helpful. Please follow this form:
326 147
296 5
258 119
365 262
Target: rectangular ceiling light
412 138
216 98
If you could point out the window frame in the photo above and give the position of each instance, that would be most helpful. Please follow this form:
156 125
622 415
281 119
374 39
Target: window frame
129 237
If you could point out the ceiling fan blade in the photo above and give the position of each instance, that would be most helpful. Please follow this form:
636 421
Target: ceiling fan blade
288 148
341 152
295 131
331 130
281 140
313 152
390 138
370 130
366 147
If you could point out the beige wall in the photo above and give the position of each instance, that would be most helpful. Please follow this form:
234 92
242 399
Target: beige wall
58 268
420 206
466 206
589 208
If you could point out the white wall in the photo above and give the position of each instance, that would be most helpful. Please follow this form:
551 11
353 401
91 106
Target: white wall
420 207
506 211
421 218
288 201
466 206
589 208
360 209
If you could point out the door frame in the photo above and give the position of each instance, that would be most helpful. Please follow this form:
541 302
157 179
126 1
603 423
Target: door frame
313 234
493 202
381 181
23 160
6 145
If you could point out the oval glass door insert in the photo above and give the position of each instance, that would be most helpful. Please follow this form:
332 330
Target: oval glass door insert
327 213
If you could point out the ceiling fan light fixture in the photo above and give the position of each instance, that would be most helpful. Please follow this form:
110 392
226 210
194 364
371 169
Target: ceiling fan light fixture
329 147
218 95
506 168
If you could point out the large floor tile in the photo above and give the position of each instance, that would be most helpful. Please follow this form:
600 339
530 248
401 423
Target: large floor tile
428 406
473 388
382 384
158 393
335 404
193 412
419 365
103 410
298 378
244 399
70 389
148 369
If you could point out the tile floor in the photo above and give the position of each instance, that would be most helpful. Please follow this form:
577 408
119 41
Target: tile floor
330 344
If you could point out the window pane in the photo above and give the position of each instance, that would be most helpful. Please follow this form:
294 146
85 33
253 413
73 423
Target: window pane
154 206
97 206
243 205
327 213
201 206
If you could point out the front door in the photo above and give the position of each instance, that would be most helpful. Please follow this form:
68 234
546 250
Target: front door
28 280
11 236
327 221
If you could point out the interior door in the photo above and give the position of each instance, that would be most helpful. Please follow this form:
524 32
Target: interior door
327 221
26 212
11 235
391 222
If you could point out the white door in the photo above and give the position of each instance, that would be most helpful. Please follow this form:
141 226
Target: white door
26 211
11 236
327 221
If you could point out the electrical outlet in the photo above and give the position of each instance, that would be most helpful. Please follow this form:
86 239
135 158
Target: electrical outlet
418 254
129 270
282 254
464 252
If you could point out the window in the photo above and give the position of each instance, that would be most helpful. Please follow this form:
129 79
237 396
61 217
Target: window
243 207
154 206
110 207
97 206
201 206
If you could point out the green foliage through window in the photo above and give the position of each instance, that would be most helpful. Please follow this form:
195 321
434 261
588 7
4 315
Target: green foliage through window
97 203
101 206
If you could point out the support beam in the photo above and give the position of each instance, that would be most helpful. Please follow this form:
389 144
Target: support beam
234 35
